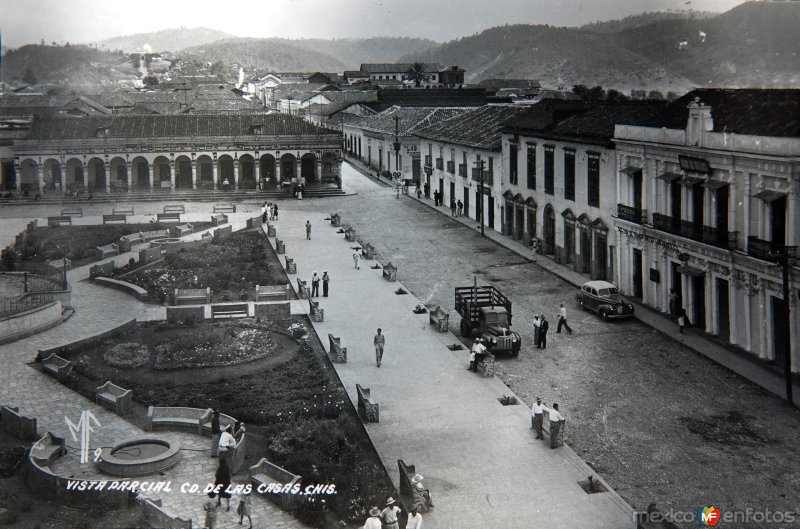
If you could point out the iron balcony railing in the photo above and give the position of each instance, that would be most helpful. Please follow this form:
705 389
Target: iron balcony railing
15 305
761 249
695 231
631 214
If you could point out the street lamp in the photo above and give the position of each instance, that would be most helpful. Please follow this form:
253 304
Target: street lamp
479 165
785 258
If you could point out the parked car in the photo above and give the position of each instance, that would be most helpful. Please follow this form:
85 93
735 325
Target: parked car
604 298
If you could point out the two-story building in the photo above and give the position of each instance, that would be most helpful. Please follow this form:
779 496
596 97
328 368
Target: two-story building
708 196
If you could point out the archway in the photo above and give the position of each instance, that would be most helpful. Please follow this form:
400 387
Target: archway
52 175
266 172
205 172
288 163
97 175
141 173
183 172
29 175
549 231
162 173
74 176
569 236
308 167
118 170
225 172
247 172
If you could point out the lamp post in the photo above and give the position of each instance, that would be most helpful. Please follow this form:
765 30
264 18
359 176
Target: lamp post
396 146
479 165
785 258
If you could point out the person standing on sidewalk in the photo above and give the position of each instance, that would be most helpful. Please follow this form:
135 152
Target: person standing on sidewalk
315 285
389 514
216 433
674 304
556 422
537 417
459 208
275 210
562 320
357 260
379 341
308 230
325 279
537 323
452 208
544 326
374 520
681 320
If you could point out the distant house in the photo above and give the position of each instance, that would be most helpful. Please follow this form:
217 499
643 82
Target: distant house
386 73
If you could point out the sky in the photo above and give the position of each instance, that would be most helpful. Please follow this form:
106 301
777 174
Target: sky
85 21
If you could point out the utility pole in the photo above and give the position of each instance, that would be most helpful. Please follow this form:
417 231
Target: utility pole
785 258
396 146
479 165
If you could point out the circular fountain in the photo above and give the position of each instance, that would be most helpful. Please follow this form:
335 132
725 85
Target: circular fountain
140 456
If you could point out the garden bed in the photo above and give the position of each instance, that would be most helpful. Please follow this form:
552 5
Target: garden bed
231 266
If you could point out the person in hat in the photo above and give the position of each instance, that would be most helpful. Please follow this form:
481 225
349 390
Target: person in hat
537 411
544 326
227 442
556 422
374 521
308 230
325 280
414 520
421 491
315 285
389 514
379 341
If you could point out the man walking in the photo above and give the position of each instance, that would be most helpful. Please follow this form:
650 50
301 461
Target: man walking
452 208
543 328
537 417
459 208
556 422
315 285
357 260
308 230
379 341
275 211
562 320
537 323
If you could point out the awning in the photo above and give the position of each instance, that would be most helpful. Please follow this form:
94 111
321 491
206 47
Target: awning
690 181
669 177
715 184
769 195
689 270
630 170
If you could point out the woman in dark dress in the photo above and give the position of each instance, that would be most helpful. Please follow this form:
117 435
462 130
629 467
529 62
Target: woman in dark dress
223 479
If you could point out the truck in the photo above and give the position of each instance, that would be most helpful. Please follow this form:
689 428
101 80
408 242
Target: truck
486 313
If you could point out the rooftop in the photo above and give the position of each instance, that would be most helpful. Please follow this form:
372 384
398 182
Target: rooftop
411 119
476 127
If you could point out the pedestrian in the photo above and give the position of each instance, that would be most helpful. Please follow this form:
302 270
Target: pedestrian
226 184
308 230
216 432
536 326
427 188
562 320
389 514
210 507
477 353
414 520
275 210
537 417
543 328
222 480
419 192
674 303
357 260
452 208
244 509
379 341
325 279
374 521
556 422
459 208
436 198
264 213
227 442
681 320
238 431
315 285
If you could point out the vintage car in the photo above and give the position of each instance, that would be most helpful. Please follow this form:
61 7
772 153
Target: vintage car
603 298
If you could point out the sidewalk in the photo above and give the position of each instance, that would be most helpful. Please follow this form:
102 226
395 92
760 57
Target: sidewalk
742 363
479 458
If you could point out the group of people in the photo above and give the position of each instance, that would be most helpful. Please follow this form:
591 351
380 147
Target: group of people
389 517
223 443
537 421
269 211
541 326
456 208
437 198
315 281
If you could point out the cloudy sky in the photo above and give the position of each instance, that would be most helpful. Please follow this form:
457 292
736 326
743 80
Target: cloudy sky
29 21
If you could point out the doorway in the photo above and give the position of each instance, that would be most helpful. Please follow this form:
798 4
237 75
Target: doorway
637 273
466 201
723 310
491 211
699 301
778 330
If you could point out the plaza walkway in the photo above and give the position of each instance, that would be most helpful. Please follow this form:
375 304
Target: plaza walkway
479 458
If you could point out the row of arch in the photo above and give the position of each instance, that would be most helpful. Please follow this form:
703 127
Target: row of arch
180 172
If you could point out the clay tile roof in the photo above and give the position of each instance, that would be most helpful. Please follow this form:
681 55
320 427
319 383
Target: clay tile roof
479 128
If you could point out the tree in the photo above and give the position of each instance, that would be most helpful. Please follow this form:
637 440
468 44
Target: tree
28 77
418 73
150 81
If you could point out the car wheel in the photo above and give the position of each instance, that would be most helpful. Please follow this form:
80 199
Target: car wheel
604 315
515 353
465 330
580 303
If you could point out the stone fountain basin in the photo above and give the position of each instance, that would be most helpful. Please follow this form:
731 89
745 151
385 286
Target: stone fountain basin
140 456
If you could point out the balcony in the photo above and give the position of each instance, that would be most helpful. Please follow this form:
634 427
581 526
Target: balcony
631 214
428 160
727 240
462 169
761 249
488 176
439 164
451 167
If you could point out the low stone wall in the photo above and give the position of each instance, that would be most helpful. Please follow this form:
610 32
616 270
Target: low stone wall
91 340
272 309
186 312
18 326
123 286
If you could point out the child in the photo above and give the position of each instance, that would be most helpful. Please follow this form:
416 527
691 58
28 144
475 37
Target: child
244 509
211 511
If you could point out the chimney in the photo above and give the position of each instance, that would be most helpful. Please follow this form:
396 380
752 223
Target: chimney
700 122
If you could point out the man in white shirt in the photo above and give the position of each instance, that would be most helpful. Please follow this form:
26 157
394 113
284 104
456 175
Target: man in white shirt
226 443
556 422
562 320
536 323
537 411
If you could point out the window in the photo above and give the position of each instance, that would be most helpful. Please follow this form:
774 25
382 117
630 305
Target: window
532 166
549 169
593 180
512 162
569 174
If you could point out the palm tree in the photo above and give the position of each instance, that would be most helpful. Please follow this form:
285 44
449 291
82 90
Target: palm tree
417 72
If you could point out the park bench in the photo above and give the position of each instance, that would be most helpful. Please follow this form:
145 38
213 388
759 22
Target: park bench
271 293
219 233
219 219
280 247
154 234
102 269
179 230
390 272
412 497
264 473
486 366
271 231
122 211
350 234
205 421
368 411
337 353
317 314
336 220
18 425
57 366
302 289
47 449
174 208
291 266
58 221
233 310
168 217
440 318
101 252
225 208
123 286
119 398
72 212
126 242
192 296
198 420
158 516
114 218
367 251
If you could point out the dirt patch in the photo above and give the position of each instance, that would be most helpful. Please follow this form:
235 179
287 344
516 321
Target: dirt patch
731 429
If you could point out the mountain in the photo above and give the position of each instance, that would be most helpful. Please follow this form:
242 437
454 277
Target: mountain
353 52
643 19
165 40
264 55
69 64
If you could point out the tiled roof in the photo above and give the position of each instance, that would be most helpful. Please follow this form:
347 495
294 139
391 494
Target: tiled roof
497 84
396 67
763 112
170 126
411 119
477 127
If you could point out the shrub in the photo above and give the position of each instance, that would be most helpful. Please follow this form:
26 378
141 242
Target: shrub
127 355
